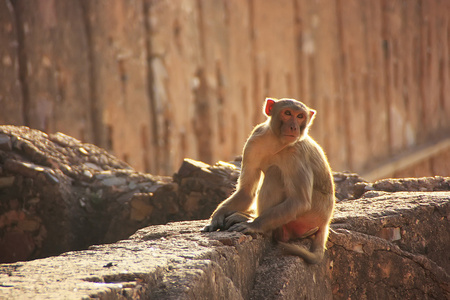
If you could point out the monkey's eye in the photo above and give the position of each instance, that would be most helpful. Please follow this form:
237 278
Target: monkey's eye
300 116
287 112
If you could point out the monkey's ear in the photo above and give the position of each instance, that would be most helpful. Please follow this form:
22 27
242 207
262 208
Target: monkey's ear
312 115
268 107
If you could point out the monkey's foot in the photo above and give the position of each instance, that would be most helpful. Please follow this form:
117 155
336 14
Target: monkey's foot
309 232
243 227
237 217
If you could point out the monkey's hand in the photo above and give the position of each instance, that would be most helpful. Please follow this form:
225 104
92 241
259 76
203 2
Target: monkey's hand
214 225
217 222
237 217
245 227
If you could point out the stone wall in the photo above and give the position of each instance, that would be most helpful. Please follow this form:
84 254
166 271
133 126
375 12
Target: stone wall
157 81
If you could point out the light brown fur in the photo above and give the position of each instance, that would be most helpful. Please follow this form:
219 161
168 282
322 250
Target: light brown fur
296 197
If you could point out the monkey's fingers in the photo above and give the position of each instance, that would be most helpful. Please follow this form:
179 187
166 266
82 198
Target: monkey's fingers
230 222
240 227
210 228
216 223
206 228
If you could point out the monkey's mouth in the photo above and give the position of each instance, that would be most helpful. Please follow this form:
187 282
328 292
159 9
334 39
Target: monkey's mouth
290 138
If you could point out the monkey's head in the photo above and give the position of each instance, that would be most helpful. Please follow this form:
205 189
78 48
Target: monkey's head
289 119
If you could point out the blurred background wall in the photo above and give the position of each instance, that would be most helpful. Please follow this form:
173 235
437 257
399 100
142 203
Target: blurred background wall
154 81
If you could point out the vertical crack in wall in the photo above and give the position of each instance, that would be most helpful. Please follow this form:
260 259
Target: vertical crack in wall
22 58
221 109
202 95
154 165
98 128
422 67
202 124
343 91
257 97
386 58
299 45
367 90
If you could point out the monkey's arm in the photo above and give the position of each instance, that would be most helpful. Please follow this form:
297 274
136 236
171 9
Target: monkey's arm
242 198
239 201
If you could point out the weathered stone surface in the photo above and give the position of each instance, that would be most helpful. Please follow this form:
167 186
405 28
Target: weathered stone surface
437 183
160 262
5 142
53 197
366 267
193 193
80 195
177 261
287 277
391 240
405 220
349 185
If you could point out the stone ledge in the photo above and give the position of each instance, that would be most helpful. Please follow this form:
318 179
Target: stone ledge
177 261
160 261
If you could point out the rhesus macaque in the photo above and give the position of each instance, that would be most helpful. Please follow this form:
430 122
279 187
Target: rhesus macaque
295 198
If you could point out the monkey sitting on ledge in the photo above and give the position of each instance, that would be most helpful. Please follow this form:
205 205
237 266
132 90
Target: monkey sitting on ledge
296 197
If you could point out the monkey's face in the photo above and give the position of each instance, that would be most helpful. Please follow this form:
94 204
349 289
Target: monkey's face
290 119
292 124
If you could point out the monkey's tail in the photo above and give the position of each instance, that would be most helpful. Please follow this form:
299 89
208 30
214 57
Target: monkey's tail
310 257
